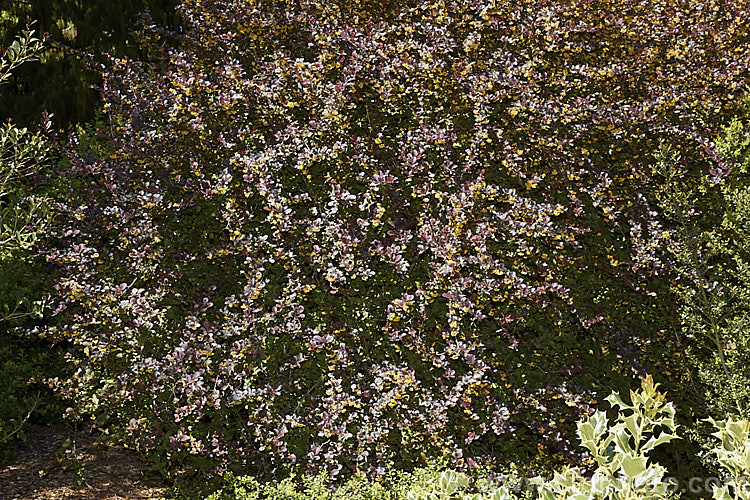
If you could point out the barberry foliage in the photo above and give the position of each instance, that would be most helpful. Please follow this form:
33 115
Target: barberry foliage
342 235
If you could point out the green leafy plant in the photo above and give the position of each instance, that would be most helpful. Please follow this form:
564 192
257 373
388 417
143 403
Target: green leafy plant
709 255
733 455
432 482
317 487
620 451
22 154
24 360
70 460
453 485
23 49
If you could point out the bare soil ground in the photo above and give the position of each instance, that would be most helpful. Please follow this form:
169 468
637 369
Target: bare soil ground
90 470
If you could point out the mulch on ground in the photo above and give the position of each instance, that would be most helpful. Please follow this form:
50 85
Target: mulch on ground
91 469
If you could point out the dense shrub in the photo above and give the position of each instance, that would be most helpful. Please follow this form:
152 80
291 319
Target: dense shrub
23 216
621 451
624 469
339 235
712 230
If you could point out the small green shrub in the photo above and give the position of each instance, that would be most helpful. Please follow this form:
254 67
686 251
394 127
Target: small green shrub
619 450
23 218
429 482
247 488
22 154
453 485
358 487
709 255
733 455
